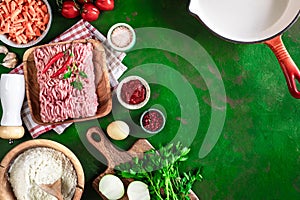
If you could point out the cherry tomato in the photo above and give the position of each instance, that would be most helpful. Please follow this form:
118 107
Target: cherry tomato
84 1
105 4
70 9
89 12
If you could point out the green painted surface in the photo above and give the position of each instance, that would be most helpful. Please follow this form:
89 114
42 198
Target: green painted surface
257 155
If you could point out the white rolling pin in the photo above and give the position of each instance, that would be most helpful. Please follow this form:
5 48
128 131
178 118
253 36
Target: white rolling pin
12 92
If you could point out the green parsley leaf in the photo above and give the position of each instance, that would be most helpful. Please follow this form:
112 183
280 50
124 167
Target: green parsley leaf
83 74
77 85
67 74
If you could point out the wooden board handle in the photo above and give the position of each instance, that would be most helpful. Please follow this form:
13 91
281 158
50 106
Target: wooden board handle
114 156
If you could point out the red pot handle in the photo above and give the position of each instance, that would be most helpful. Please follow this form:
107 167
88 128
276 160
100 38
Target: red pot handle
289 68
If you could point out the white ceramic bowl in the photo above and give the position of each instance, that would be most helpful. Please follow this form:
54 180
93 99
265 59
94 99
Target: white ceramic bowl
5 40
133 106
162 125
123 34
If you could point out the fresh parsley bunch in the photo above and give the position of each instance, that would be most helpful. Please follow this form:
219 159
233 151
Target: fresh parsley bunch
160 170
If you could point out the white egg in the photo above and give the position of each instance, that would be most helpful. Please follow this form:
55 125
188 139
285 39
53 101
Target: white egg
118 130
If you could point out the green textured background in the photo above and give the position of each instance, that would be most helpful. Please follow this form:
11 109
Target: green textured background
257 155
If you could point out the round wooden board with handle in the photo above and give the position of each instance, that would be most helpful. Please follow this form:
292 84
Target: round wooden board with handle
115 157
6 190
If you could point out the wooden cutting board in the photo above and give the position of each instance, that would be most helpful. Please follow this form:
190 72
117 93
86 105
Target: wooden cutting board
115 157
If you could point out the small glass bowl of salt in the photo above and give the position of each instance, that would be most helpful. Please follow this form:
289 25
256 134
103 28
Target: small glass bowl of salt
121 37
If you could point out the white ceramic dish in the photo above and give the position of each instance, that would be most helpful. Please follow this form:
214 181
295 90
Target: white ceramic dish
133 106
163 123
4 39
120 33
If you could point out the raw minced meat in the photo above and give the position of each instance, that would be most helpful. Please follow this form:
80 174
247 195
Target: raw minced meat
59 100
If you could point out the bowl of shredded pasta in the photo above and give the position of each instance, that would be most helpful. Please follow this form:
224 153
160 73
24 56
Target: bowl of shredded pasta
24 23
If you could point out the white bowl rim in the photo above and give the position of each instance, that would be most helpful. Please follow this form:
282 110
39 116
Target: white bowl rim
133 106
240 26
161 113
4 39
131 44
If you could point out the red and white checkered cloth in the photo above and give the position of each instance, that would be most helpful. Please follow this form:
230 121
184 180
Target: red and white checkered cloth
80 30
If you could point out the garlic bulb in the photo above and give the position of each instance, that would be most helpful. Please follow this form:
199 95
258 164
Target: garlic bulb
9 56
10 63
3 49
10 60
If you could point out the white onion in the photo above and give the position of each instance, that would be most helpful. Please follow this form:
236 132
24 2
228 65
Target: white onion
137 190
111 187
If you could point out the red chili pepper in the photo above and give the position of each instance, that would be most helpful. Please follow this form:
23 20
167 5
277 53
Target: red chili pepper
64 67
53 60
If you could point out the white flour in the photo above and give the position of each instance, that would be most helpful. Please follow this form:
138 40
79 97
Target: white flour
41 165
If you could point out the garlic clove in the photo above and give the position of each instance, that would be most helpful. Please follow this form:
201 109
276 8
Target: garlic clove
3 49
9 56
10 63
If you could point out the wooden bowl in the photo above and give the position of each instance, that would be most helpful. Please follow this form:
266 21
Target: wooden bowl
103 89
6 190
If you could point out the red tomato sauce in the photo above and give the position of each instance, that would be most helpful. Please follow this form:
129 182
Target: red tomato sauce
133 92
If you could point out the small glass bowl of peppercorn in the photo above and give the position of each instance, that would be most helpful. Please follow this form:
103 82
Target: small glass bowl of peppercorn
133 92
152 121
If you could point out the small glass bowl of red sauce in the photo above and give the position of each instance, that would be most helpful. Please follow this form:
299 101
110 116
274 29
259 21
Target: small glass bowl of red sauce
152 121
133 92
